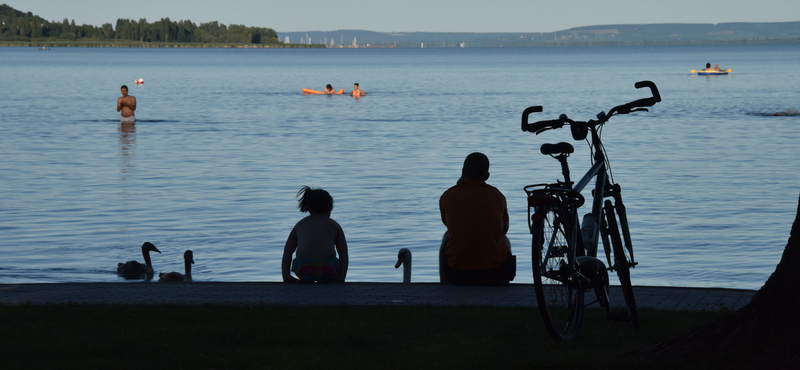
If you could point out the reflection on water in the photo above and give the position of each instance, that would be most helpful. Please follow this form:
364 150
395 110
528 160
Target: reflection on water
127 145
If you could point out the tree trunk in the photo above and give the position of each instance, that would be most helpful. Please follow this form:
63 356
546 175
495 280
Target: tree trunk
765 333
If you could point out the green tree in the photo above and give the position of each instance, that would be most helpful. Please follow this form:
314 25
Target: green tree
16 25
107 30
142 29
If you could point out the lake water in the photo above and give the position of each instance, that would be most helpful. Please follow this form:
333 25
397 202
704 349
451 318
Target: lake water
224 139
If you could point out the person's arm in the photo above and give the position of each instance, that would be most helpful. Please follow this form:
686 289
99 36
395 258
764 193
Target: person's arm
122 102
286 262
505 216
441 212
344 258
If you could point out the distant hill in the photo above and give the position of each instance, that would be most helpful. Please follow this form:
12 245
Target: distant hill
618 34
23 27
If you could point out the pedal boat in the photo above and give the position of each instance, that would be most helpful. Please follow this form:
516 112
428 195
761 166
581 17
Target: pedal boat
712 72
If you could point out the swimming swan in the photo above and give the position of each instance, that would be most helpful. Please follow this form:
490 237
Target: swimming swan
133 268
167 277
404 258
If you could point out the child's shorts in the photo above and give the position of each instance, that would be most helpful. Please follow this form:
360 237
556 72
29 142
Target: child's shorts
315 271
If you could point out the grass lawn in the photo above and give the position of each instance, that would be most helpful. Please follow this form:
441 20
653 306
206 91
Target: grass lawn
325 337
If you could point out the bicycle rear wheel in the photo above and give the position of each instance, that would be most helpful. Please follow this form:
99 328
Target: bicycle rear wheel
622 263
559 290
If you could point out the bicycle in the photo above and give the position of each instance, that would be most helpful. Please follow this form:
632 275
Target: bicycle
565 263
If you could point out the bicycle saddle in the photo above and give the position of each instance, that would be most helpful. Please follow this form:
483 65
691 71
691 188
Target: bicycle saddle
560 148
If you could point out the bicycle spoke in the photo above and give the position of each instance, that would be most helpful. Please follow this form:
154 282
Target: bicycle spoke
559 292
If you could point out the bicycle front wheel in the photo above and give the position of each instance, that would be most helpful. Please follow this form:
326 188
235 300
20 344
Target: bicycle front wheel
622 264
559 290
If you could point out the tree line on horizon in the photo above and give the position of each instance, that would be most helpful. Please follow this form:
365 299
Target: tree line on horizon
19 26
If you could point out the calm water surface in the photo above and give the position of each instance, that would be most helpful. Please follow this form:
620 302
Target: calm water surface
224 139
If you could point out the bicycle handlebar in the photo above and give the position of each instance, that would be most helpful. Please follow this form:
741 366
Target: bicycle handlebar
641 103
541 126
527 112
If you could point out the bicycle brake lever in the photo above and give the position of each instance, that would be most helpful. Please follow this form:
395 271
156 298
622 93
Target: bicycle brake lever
553 127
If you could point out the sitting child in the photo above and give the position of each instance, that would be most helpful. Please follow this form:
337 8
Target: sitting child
314 238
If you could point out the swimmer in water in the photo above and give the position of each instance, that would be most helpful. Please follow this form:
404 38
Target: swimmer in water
788 112
329 90
356 91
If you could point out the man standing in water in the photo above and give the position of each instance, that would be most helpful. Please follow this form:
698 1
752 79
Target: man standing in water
126 104
356 91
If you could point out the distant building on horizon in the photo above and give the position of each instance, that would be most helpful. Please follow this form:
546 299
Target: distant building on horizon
287 40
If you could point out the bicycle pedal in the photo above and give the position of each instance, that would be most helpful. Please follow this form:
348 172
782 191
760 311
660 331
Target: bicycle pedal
602 298
602 301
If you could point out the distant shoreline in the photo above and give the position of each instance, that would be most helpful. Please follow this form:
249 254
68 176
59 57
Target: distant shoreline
177 45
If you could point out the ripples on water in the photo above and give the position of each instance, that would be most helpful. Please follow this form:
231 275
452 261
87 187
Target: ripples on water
224 139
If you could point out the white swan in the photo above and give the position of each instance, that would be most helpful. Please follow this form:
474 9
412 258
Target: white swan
135 269
167 277
404 258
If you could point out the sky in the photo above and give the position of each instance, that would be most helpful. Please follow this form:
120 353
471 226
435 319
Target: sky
416 15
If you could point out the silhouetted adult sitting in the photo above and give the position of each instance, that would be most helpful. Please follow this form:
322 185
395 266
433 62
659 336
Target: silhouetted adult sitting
475 250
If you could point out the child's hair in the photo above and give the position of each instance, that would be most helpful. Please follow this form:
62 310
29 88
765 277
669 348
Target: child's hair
314 200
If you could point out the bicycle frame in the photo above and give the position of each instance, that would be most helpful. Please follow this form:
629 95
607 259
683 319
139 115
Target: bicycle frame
599 170
602 189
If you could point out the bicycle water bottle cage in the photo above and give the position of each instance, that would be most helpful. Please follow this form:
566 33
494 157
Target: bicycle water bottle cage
579 130
555 149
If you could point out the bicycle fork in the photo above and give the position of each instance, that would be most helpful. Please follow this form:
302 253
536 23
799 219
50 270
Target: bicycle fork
619 235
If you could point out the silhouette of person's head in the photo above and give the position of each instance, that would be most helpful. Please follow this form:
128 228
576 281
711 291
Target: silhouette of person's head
708 65
314 200
476 167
